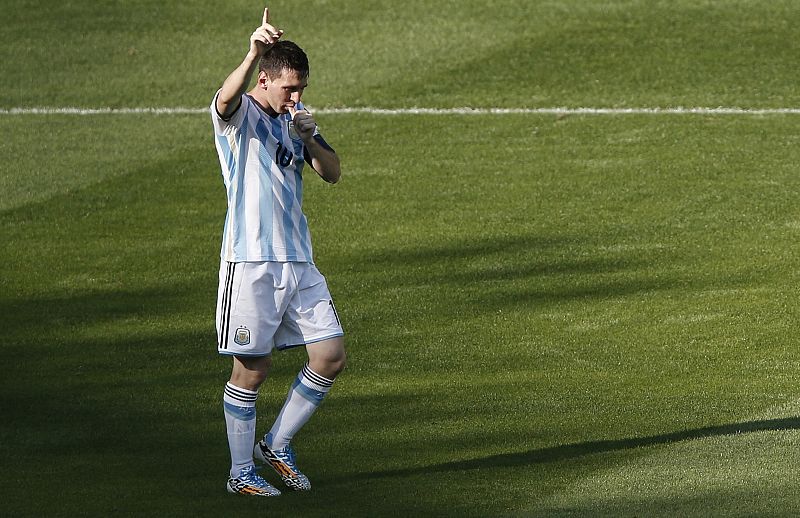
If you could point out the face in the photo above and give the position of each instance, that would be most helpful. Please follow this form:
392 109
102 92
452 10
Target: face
283 92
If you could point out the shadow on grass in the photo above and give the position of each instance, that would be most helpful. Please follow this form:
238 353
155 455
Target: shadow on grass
574 451
484 259
490 273
92 306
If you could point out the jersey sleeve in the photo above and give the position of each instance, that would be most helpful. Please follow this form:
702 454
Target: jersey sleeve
221 126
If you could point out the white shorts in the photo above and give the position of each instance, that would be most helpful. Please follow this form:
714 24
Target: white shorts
269 305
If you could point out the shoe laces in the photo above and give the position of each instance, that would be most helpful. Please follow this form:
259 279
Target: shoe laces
287 455
250 475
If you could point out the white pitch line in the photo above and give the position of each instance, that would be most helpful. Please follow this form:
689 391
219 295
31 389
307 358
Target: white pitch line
564 111
419 111
100 111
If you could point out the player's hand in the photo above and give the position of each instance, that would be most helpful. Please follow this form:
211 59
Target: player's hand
304 123
264 36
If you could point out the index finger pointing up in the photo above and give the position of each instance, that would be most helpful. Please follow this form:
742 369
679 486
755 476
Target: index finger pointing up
266 15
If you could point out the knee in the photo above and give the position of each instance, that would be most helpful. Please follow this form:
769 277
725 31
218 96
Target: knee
329 365
338 364
250 373
256 378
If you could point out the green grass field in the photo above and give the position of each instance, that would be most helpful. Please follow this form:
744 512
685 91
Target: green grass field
546 315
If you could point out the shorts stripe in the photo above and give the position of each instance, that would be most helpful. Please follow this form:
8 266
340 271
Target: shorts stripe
335 313
225 314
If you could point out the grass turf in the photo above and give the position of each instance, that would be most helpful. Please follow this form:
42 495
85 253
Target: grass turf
504 53
515 333
575 316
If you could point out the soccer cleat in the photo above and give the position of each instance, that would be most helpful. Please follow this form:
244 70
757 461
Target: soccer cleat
249 483
282 461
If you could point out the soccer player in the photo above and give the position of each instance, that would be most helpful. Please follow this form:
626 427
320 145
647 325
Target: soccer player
271 295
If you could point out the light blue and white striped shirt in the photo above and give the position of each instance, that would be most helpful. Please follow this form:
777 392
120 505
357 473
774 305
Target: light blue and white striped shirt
262 168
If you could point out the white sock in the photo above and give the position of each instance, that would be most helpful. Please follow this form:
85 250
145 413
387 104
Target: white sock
306 394
240 421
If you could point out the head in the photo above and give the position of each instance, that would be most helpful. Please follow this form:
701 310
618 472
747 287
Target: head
282 76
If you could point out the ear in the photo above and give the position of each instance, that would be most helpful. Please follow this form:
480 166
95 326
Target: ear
263 80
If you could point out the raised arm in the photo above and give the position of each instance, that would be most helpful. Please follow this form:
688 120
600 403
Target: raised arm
230 96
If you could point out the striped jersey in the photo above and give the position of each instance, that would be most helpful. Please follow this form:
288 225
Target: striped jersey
262 168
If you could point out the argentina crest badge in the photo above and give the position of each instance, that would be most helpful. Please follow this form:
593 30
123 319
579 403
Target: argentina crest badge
242 336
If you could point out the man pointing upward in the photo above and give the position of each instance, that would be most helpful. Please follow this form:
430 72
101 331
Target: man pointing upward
271 295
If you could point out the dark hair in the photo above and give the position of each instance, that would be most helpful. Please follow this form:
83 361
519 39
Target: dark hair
284 55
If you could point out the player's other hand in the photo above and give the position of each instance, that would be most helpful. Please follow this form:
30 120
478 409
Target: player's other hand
264 36
304 123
